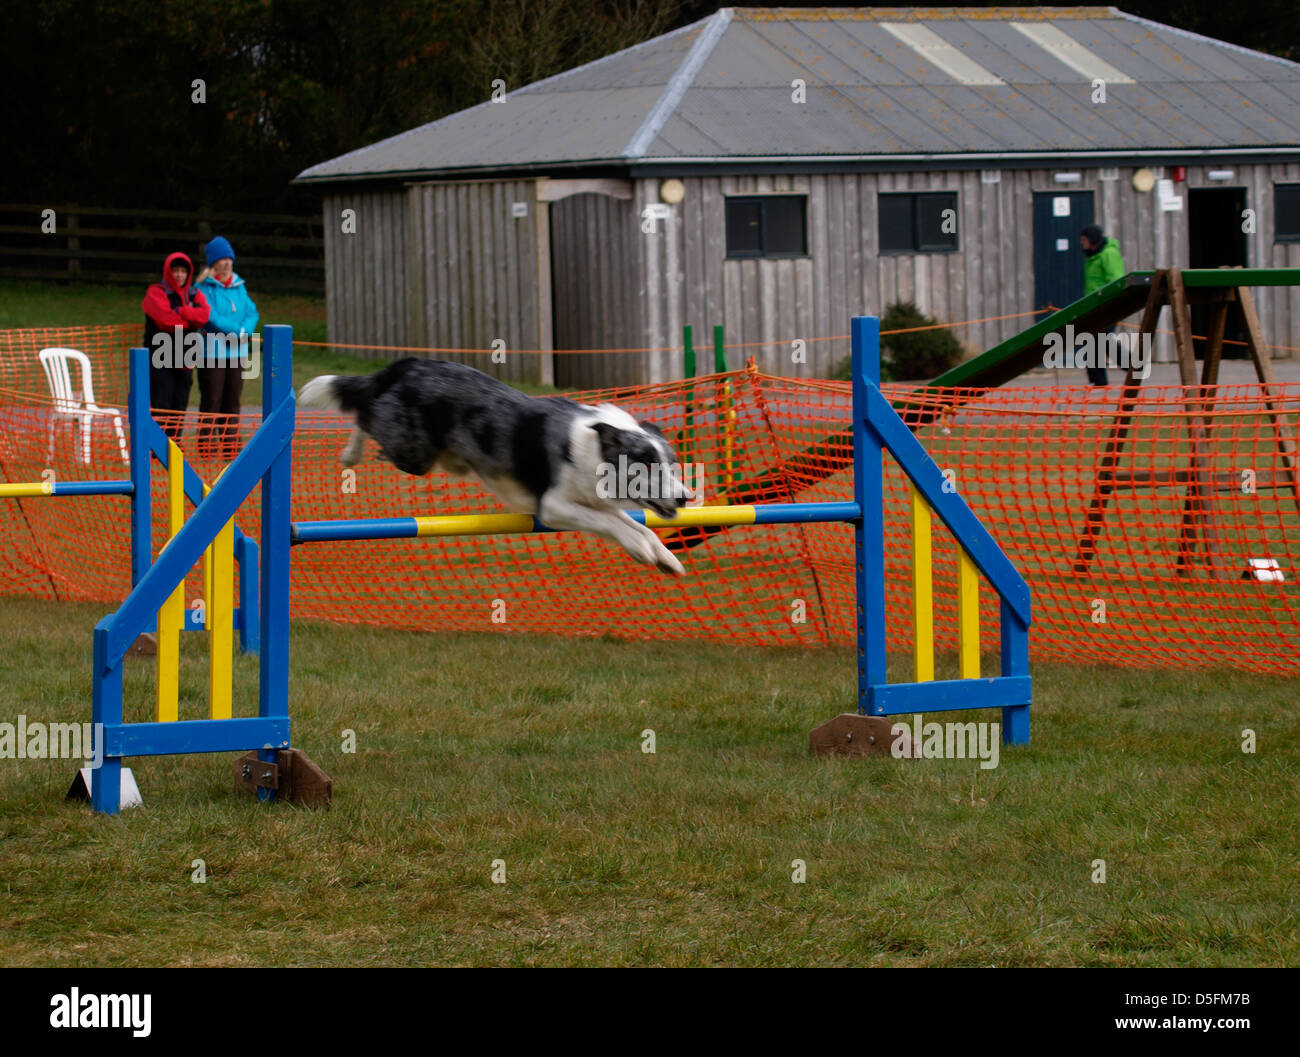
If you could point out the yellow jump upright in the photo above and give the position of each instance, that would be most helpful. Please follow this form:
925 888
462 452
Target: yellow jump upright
968 617
968 601
219 609
922 590
171 617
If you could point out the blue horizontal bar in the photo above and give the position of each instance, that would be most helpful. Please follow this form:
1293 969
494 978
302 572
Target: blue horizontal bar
949 695
408 527
790 513
93 488
380 528
196 735
786 513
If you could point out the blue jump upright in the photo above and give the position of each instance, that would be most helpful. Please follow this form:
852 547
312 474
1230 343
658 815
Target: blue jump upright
154 580
877 428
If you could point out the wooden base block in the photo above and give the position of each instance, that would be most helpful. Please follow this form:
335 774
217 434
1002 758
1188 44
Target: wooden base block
293 776
850 734
145 645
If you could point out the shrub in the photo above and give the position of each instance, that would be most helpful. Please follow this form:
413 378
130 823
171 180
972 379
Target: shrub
915 356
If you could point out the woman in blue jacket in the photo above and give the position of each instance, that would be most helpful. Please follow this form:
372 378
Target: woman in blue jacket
231 323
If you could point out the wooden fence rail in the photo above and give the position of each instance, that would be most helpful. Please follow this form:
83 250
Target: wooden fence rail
94 244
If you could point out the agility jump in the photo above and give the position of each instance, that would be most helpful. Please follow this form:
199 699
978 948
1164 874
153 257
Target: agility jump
266 460
161 628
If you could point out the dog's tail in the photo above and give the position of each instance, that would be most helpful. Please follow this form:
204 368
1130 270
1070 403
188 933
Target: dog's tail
339 392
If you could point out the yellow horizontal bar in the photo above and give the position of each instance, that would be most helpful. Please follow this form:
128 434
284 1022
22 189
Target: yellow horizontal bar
25 489
473 524
704 515
494 524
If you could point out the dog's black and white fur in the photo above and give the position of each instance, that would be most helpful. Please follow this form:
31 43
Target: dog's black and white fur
546 456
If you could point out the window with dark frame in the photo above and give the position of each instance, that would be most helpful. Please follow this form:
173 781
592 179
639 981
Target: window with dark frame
767 226
915 221
1286 212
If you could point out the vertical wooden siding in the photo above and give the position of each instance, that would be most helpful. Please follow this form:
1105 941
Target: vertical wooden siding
474 274
437 265
365 271
598 297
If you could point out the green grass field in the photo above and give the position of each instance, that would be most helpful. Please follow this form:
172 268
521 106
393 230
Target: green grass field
475 748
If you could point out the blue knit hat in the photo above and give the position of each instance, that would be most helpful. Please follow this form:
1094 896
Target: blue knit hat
217 249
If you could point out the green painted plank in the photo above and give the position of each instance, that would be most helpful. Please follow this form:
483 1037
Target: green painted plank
1024 350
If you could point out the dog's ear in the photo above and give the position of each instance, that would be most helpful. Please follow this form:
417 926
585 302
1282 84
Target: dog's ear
611 440
650 427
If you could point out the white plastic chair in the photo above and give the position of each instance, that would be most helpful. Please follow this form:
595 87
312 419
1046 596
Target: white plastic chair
69 404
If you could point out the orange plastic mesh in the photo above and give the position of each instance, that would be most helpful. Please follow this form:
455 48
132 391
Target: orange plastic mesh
1196 497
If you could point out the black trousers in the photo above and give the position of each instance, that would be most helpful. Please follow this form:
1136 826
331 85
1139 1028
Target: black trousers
169 392
1097 375
219 391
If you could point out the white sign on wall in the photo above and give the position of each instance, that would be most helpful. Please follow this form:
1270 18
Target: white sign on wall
1063 245
1061 206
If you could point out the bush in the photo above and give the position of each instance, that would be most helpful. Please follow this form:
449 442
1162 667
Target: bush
915 356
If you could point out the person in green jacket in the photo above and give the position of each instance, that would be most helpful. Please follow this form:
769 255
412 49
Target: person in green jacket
1102 264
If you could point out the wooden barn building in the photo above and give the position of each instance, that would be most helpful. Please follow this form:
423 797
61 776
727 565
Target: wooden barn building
777 170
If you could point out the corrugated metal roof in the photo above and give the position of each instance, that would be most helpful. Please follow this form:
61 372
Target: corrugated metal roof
721 89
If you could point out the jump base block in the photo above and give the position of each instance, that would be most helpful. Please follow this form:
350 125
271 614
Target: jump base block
850 734
293 776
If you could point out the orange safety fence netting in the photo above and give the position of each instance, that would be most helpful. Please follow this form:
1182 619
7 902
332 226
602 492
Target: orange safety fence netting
1162 584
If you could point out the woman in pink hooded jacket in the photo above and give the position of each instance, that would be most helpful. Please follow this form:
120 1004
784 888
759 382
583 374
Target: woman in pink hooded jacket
167 305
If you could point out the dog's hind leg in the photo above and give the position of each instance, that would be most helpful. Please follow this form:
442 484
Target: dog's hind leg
351 455
561 513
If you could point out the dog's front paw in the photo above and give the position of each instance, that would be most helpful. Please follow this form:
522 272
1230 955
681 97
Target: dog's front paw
670 565
646 551
664 559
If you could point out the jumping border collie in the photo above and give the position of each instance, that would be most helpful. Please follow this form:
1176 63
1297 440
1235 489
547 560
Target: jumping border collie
564 462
